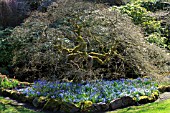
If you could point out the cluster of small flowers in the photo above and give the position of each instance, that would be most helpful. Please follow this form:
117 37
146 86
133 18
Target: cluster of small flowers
98 91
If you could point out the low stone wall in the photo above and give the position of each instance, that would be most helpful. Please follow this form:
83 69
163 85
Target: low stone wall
164 88
87 106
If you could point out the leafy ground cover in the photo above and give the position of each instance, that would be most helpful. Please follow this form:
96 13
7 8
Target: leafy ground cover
5 49
8 83
155 30
6 107
99 91
161 107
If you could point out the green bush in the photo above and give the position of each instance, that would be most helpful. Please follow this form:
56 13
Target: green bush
156 38
6 47
140 13
155 5
140 16
152 26
8 83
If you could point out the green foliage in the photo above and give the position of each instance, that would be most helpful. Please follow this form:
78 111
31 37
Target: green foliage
152 26
140 17
157 39
155 5
139 12
6 47
8 83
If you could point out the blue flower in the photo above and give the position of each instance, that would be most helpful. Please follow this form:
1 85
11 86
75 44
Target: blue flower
52 96
98 91
133 89
76 100
38 93
61 95
51 86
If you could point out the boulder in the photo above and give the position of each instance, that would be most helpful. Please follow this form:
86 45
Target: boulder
69 108
5 92
101 106
87 106
164 88
17 95
39 101
155 95
148 99
121 102
168 88
28 99
52 105
144 99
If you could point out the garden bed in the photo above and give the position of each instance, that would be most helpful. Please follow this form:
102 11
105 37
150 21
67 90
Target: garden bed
57 102
87 49
86 106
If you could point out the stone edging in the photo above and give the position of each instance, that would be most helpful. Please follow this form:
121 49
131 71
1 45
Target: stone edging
163 89
87 106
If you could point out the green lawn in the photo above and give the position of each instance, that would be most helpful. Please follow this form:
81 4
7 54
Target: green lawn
161 107
7 107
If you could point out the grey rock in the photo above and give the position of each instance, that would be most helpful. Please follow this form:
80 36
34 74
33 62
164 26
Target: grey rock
39 102
35 102
101 106
121 102
163 96
68 107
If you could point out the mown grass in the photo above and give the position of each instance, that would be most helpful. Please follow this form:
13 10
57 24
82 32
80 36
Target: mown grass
157 107
6 107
